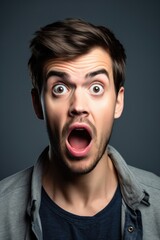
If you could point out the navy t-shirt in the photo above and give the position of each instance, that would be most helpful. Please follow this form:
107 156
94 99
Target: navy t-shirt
58 224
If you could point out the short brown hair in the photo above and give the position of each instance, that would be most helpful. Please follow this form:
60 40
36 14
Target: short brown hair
68 39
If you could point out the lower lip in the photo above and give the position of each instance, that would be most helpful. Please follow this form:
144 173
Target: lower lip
78 152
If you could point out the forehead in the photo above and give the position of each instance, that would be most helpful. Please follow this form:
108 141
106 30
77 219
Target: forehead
97 58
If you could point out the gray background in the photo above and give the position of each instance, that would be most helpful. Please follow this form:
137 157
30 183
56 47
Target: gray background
135 23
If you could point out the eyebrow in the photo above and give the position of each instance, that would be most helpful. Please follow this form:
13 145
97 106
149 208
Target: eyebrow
65 75
100 71
54 73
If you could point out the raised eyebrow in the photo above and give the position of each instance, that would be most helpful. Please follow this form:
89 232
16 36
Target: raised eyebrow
100 71
65 76
54 73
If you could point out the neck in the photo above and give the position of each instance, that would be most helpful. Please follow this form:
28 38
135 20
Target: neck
91 192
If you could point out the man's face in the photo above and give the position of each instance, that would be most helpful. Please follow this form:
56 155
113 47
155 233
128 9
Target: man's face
79 105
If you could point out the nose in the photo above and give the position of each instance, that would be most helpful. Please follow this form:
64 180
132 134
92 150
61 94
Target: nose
78 105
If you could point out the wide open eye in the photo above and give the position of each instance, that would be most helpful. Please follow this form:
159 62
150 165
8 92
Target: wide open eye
60 89
96 89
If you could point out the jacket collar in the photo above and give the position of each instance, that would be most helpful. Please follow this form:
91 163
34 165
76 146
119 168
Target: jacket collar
35 200
132 192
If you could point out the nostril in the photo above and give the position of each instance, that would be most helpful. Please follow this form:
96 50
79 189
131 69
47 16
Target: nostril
74 112
79 112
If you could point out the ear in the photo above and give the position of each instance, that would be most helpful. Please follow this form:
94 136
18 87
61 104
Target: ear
37 103
119 103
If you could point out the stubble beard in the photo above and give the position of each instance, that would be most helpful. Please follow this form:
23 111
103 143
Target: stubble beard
61 156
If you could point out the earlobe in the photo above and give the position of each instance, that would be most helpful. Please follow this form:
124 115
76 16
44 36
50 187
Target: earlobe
119 103
37 103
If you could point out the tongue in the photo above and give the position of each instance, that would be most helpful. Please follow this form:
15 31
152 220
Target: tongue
78 139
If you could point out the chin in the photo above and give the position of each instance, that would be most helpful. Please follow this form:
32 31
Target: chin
81 167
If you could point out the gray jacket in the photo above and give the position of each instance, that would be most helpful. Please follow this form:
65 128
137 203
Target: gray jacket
20 197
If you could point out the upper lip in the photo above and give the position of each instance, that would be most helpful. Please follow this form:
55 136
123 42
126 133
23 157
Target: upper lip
80 126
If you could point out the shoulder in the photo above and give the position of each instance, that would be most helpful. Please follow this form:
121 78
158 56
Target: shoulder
151 215
14 196
150 183
140 176
148 179
15 184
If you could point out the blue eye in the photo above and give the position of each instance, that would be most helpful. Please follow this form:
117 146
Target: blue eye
96 89
60 89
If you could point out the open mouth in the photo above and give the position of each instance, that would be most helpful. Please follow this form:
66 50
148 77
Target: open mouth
79 138
78 142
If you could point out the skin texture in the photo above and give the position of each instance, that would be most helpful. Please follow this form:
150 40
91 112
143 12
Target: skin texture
79 94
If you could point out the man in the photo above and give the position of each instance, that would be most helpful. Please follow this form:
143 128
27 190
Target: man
80 188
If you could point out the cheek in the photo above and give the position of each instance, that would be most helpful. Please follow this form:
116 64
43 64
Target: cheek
104 117
55 114
104 110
